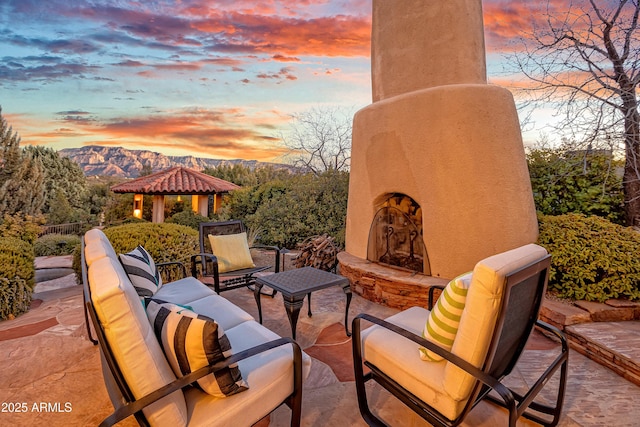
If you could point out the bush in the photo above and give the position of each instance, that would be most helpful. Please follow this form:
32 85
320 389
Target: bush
565 181
592 259
165 242
23 227
56 244
17 276
289 211
188 218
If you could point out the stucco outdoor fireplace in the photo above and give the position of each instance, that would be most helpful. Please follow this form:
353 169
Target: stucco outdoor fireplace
438 171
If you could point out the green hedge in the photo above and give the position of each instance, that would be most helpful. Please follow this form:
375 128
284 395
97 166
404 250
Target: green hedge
188 218
17 276
593 259
165 242
56 244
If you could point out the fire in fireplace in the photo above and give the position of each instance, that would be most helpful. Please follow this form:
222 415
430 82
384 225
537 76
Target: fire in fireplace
395 237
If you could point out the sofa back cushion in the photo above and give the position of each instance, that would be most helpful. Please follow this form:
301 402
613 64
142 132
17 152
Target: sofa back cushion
480 314
131 338
97 246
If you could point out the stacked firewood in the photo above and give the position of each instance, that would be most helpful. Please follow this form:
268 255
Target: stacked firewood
319 252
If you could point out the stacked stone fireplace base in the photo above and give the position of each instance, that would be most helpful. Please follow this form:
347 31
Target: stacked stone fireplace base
388 286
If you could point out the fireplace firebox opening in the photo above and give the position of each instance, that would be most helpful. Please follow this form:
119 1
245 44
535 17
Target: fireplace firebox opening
395 237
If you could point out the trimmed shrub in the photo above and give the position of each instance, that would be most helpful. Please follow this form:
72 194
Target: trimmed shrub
288 211
23 227
56 244
188 218
17 276
593 259
165 242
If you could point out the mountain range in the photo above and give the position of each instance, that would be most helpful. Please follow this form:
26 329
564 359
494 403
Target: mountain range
121 162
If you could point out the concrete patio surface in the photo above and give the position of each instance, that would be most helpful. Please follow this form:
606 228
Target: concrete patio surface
51 373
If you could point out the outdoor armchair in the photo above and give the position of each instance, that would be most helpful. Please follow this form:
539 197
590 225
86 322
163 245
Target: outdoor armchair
225 261
504 295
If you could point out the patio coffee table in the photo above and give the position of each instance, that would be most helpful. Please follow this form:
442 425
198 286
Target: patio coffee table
295 284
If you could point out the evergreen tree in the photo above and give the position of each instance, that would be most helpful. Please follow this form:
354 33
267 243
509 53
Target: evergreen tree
21 176
64 179
10 156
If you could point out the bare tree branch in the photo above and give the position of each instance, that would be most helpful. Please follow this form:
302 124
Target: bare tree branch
586 60
320 139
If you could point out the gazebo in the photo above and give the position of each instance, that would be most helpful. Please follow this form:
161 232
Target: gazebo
176 181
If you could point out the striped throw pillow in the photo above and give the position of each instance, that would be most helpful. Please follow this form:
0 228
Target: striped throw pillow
442 325
191 341
142 271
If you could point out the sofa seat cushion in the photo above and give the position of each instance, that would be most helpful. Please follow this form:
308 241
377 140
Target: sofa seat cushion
192 293
132 340
183 291
269 375
399 358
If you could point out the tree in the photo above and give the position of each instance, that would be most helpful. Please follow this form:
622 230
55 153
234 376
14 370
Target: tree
146 169
21 176
576 181
320 139
244 176
65 186
586 61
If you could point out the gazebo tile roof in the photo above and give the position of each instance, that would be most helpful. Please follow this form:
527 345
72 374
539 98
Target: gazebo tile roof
177 180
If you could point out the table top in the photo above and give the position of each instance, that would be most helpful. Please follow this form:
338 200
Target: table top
301 281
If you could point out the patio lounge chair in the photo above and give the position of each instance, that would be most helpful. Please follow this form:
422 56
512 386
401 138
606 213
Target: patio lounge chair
505 292
230 266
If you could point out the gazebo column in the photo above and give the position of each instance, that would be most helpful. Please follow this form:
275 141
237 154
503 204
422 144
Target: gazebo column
158 208
217 202
200 204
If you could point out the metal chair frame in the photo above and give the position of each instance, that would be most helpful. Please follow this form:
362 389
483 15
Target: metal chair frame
205 263
502 356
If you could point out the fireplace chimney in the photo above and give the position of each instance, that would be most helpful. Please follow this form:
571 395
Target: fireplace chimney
439 134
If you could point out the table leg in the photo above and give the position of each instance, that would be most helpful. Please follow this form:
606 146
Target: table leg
309 304
292 307
256 294
347 290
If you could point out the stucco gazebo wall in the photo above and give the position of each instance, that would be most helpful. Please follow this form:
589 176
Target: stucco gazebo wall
457 151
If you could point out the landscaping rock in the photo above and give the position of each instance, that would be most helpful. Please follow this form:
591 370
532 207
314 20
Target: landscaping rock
561 315
601 312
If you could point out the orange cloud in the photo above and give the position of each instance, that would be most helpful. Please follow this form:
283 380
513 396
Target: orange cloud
227 133
340 35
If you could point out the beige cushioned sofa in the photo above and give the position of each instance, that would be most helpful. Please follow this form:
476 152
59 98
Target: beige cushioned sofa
144 367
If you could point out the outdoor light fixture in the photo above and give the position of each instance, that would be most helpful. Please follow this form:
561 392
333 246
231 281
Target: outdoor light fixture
137 206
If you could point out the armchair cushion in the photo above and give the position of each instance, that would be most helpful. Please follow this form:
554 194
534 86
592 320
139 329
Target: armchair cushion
192 341
397 356
142 271
443 322
232 251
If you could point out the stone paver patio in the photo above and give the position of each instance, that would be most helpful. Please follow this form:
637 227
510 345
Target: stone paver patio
51 372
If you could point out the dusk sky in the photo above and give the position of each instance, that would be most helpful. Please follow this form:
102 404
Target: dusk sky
194 77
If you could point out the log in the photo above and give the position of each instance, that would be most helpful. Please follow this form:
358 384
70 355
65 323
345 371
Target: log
319 252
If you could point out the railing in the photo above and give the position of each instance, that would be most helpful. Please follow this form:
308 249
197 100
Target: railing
70 228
